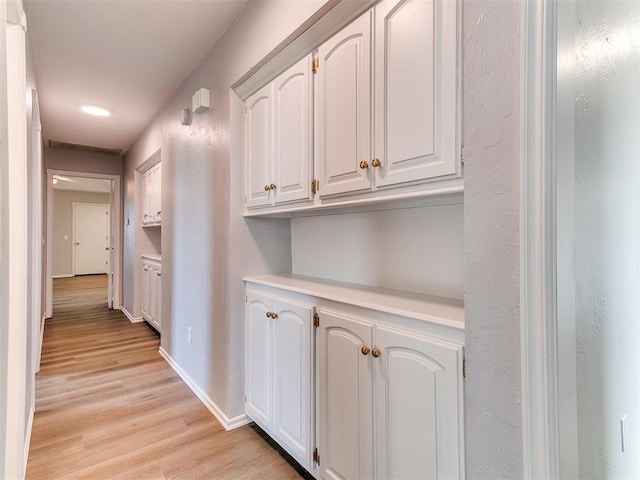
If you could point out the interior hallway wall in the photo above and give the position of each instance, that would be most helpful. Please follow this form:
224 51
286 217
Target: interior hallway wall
491 131
63 226
203 198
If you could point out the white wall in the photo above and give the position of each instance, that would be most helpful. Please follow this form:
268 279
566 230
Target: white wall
607 235
207 247
491 239
418 250
63 226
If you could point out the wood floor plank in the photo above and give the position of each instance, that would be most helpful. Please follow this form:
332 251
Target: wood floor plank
109 407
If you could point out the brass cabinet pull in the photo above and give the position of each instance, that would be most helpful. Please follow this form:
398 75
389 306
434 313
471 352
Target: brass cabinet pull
267 187
375 163
365 350
364 164
272 186
375 352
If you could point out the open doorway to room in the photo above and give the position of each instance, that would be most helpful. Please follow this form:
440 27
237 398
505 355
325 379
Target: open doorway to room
83 251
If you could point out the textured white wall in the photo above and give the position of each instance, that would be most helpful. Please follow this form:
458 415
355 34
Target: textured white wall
491 236
207 247
417 250
607 236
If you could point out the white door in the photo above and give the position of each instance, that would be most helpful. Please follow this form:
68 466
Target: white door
419 406
259 359
110 249
293 379
258 148
415 90
343 103
292 133
91 238
345 397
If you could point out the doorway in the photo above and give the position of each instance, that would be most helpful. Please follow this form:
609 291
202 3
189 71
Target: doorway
83 231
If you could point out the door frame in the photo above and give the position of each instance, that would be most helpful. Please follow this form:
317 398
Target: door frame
73 226
115 207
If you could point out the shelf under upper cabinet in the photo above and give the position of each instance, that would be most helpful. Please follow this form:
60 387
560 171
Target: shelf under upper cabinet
152 256
441 310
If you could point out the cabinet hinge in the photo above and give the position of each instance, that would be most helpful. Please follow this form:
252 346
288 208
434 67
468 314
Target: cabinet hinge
315 64
316 320
462 154
464 368
315 186
316 456
245 399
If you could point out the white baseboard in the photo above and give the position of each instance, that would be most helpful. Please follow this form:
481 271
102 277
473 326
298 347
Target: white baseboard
27 439
226 422
131 318
63 276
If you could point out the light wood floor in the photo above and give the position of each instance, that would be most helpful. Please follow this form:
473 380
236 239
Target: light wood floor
109 407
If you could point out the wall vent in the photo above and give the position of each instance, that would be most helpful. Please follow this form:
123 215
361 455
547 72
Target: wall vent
84 148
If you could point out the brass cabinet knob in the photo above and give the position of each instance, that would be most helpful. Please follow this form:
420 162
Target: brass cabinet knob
365 350
272 186
375 163
267 187
268 314
159 212
274 315
364 164
375 352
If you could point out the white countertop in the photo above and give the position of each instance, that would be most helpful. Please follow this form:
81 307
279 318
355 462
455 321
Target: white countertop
153 256
442 310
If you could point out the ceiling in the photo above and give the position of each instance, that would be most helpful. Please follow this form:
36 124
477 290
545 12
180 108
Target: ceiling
128 56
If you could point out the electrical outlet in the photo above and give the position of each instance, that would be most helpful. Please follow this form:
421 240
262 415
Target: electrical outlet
189 335
624 433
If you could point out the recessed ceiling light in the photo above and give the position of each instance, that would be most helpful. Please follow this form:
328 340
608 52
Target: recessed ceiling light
98 111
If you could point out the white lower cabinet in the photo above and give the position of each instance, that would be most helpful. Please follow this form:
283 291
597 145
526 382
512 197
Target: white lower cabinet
388 400
278 370
151 291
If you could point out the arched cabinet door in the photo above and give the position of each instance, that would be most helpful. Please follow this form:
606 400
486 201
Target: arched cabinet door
259 146
259 357
418 389
416 88
344 397
343 105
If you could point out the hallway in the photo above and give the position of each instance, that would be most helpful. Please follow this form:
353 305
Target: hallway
109 407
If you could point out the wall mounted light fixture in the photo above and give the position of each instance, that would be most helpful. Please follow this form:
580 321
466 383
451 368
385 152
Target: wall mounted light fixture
185 116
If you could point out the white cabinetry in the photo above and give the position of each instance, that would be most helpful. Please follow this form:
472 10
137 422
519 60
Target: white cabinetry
278 369
343 103
389 397
414 98
278 139
151 291
152 196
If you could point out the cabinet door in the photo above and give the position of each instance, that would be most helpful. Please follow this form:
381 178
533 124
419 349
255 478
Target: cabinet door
153 292
415 90
157 316
345 397
343 103
157 194
146 276
293 379
419 406
145 198
258 148
259 359
292 133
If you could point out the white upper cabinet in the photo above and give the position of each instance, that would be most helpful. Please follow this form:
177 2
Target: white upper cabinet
278 139
258 133
343 103
152 196
415 91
